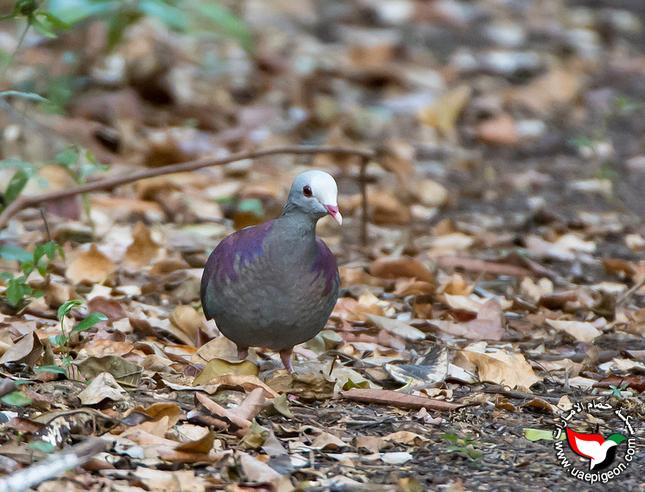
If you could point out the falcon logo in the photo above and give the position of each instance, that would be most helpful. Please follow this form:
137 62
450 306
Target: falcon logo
600 451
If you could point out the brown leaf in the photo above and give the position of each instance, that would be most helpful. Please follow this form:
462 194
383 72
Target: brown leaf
247 383
91 266
143 248
445 111
397 156
489 324
202 445
221 367
252 405
499 366
112 308
241 423
28 350
188 320
500 130
396 399
392 267
397 327
102 386
582 331
477 265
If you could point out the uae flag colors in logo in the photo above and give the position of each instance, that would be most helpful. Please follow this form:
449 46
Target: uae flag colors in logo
600 451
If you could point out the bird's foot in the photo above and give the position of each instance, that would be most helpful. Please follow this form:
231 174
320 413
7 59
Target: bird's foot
285 357
242 353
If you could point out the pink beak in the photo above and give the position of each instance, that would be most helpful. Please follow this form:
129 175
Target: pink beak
333 211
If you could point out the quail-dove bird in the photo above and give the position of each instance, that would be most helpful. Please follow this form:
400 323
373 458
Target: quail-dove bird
274 285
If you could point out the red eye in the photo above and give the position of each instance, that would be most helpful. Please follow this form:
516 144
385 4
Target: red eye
307 191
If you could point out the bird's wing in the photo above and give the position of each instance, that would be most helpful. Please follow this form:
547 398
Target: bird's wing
235 252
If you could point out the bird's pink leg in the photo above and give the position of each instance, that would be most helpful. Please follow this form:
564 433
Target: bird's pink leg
242 353
285 357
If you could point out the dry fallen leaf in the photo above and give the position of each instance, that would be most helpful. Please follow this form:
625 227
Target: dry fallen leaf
488 325
91 266
582 331
444 112
397 327
497 366
221 367
389 267
143 249
102 387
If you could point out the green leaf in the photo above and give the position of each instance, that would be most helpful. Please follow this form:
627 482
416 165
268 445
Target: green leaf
5 276
65 308
74 11
16 184
351 384
10 252
67 157
52 369
450 437
16 398
170 15
89 322
42 25
31 96
17 291
42 446
58 340
540 434
225 21
27 267
55 21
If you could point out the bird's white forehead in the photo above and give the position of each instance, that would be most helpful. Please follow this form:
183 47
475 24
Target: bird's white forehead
323 186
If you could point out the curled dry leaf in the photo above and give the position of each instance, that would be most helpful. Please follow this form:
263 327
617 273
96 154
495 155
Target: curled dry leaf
396 458
218 348
430 193
432 370
397 327
397 156
258 472
498 366
252 405
28 350
217 410
143 248
326 440
102 387
188 320
391 267
445 111
112 308
582 331
91 266
221 367
488 325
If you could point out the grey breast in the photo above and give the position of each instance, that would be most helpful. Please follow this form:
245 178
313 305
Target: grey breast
277 301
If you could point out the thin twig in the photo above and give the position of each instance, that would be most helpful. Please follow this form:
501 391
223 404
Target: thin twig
364 210
44 217
21 40
53 466
632 290
24 201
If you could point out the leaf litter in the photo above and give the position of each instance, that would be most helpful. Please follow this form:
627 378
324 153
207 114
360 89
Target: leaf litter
502 281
